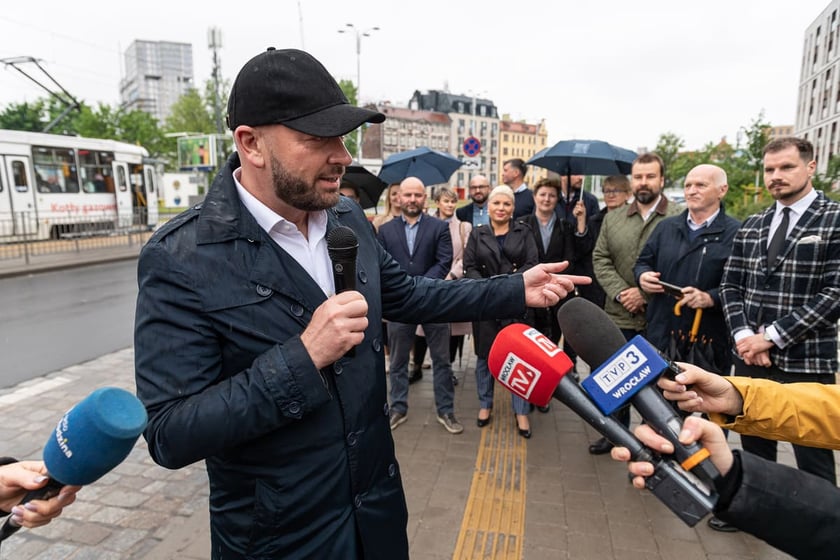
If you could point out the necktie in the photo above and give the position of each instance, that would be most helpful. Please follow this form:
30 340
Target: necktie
778 240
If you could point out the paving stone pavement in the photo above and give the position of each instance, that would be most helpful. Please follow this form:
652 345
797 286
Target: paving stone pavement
578 507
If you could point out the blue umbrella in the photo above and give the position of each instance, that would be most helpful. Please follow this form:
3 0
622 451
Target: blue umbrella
430 166
585 157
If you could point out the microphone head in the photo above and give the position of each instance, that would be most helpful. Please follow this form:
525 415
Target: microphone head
94 436
342 243
589 330
528 363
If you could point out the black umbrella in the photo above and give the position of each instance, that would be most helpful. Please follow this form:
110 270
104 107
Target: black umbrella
370 186
691 348
430 166
585 157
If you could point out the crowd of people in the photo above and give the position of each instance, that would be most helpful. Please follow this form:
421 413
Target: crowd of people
248 359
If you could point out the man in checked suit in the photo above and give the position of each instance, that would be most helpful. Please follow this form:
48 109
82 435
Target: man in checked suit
781 296
421 244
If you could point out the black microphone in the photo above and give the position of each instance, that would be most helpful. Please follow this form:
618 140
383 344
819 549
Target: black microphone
531 366
626 371
342 246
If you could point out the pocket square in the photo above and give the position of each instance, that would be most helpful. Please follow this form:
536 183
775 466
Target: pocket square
809 239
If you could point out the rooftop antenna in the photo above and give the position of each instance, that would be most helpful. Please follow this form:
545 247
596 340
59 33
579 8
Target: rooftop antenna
64 96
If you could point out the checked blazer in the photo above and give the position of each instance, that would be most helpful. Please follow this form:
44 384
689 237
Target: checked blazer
799 293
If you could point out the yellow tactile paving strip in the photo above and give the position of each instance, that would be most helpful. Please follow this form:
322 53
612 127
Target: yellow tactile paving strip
493 527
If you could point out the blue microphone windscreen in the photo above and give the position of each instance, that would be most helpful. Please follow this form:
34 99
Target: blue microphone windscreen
94 436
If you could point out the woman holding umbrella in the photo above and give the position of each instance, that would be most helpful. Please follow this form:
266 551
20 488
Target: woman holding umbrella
503 246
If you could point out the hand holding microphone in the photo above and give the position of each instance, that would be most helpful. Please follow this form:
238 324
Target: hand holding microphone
343 246
626 372
533 367
92 438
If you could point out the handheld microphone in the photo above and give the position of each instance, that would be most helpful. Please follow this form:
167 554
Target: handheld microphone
92 438
342 246
625 372
531 366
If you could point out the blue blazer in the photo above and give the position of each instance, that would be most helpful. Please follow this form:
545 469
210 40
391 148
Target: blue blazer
432 255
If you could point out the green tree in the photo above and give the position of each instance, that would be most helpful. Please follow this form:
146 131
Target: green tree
23 116
351 92
190 114
757 134
668 147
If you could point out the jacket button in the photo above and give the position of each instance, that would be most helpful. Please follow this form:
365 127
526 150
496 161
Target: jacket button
376 344
294 407
337 368
357 501
392 470
263 291
386 409
363 276
352 439
297 310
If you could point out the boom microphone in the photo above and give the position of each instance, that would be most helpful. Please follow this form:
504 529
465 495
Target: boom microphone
625 372
531 366
92 438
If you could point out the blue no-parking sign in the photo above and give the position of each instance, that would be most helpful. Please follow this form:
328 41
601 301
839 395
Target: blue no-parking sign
472 146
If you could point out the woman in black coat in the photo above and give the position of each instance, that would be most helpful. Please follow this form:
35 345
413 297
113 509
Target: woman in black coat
503 246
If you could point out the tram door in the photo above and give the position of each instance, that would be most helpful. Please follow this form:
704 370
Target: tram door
123 192
17 197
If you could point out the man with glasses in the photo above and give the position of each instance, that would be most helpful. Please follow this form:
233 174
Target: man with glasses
476 211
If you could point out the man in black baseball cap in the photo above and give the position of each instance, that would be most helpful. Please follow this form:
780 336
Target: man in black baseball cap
241 344
291 88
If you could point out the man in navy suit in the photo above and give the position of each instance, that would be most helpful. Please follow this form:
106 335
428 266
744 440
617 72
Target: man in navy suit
475 212
421 244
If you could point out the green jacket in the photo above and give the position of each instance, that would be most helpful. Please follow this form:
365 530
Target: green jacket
623 234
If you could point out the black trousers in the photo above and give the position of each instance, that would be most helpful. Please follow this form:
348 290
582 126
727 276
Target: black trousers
819 462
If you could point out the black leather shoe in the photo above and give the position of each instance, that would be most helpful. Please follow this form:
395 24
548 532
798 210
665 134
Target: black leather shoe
415 376
721 525
600 447
544 409
525 433
481 422
454 380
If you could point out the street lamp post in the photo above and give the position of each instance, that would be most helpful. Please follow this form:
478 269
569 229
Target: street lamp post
359 35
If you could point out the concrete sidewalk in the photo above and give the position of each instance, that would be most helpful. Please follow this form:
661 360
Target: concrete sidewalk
578 506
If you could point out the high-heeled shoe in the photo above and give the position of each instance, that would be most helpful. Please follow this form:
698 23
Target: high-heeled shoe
482 422
524 432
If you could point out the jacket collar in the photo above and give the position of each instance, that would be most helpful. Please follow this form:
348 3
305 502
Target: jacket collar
223 217
661 206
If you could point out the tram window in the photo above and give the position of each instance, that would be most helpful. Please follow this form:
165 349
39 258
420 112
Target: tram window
55 170
19 177
95 170
121 179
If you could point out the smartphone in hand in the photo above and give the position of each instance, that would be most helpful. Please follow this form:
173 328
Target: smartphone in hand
672 290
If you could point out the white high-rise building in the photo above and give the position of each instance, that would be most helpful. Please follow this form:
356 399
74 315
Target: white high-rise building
157 73
818 107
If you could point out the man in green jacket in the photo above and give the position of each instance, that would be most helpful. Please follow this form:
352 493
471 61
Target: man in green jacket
623 234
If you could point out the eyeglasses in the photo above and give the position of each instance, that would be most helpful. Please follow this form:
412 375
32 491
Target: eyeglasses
479 187
610 192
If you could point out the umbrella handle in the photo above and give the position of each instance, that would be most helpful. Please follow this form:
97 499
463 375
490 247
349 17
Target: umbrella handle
695 326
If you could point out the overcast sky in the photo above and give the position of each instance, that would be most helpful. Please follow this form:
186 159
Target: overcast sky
612 70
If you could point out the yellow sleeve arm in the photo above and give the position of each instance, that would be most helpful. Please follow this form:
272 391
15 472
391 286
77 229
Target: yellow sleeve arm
801 413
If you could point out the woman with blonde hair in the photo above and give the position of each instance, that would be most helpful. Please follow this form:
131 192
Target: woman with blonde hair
503 246
392 206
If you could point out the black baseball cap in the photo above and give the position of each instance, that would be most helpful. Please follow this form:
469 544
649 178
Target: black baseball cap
291 88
